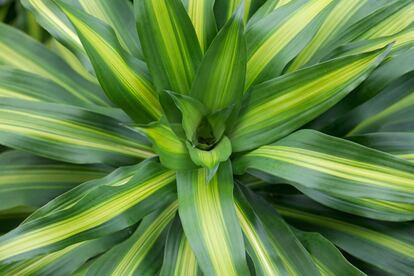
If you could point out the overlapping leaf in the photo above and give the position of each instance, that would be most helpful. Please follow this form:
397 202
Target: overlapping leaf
209 220
29 55
271 244
141 253
105 209
29 181
169 43
124 79
279 106
68 133
179 258
336 167
389 246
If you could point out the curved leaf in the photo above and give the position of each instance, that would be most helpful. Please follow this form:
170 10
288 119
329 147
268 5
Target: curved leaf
380 111
141 253
64 261
172 150
400 144
179 258
124 79
223 68
339 18
29 181
271 243
389 246
120 16
30 55
68 133
327 257
279 106
201 14
209 220
103 210
277 38
169 42
55 22
333 165
18 84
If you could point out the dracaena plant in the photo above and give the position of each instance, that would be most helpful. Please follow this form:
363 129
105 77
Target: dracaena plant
208 137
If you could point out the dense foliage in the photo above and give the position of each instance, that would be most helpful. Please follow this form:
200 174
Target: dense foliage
208 137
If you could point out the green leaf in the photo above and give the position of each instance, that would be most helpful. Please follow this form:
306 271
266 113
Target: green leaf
104 210
171 149
210 158
64 261
77 64
179 258
277 38
118 177
202 16
365 207
69 133
29 55
183 113
51 18
339 18
30 181
224 9
325 255
402 40
220 79
389 246
381 111
388 72
332 165
18 84
124 79
120 16
277 107
141 253
400 144
270 242
209 220
169 42
388 20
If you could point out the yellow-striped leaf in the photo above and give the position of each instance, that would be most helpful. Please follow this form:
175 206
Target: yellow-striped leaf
69 133
140 254
123 78
270 242
209 220
400 144
279 106
334 166
22 52
120 16
64 261
18 84
201 14
339 18
171 149
30 181
105 209
388 111
389 246
220 79
169 42
210 158
55 22
277 38
179 258
328 259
